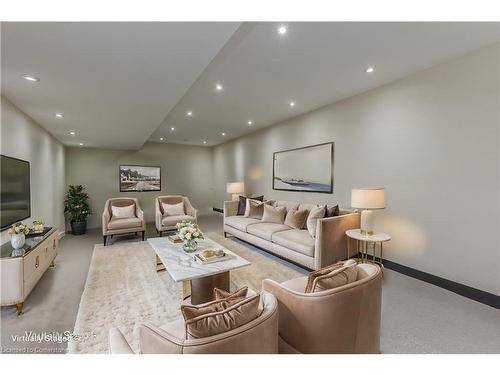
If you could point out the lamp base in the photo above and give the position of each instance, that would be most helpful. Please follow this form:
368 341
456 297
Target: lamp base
235 197
367 222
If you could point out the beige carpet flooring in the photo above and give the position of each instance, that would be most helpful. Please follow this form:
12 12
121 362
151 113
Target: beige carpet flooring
417 317
124 290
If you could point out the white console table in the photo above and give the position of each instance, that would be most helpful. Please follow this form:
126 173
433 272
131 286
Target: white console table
21 269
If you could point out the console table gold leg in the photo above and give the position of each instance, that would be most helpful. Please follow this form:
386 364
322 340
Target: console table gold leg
19 307
52 264
186 289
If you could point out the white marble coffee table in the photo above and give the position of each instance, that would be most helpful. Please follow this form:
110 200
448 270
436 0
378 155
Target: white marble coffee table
198 279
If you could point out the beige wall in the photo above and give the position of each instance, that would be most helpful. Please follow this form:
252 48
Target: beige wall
431 139
24 139
185 170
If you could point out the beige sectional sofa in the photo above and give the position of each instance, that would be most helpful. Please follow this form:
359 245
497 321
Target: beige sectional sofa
297 245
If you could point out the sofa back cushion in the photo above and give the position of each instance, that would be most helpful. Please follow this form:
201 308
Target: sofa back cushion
169 199
288 204
273 214
219 317
312 219
332 210
296 218
242 204
120 202
254 209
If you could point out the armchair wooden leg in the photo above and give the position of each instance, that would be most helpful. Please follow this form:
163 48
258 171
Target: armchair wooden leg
104 238
225 234
135 233
19 308
143 234
160 232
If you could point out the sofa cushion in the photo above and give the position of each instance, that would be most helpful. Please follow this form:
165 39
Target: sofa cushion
131 222
274 214
176 209
296 218
169 221
242 204
240 222
312 219
214 323
220 294
287 204
346 274
295 239
255 209
124 212
266 230
332 210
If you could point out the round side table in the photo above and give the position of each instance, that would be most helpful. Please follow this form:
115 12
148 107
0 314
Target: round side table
362 244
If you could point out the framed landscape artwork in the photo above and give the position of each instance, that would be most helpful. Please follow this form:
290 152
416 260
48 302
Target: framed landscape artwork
140 178
304 169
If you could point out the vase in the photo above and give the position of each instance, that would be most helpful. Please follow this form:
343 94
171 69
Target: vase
190 246
17 240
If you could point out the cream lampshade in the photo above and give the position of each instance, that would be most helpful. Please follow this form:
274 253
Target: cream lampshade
235 188
367 199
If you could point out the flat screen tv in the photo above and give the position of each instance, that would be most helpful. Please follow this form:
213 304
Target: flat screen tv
15 204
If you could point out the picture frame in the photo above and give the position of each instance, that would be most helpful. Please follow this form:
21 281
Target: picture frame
139 178
304 169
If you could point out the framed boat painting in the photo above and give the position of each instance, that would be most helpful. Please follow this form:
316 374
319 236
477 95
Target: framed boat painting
308 169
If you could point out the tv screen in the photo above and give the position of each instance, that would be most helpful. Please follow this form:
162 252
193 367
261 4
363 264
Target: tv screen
15 190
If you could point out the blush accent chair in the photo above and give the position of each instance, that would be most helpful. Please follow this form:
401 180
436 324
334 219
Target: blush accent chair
112 225
167 223
259 336
339 320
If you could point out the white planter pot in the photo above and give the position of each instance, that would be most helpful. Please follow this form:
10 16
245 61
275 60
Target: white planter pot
17 240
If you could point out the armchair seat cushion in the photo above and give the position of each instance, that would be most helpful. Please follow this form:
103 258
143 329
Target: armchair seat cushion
296 239
131 222
240 222
169 221
266 230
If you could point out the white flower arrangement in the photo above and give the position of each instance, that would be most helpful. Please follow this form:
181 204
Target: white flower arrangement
189 231
19 228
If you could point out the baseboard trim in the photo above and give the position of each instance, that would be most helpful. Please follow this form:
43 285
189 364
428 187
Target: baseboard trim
477 295
218 210
61 234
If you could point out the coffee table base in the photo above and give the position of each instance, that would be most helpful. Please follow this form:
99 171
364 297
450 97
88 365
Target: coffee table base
202 290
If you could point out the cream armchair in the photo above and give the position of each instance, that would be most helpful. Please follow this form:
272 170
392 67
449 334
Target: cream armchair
260 336
166 223
112 225
340 320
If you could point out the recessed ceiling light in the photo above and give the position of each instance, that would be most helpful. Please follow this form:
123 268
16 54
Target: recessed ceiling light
282 30
218 87
30 78
250 122
59 115
172 128
81 144
189 113
291 104
223 134
370 69
204 142
162 139
72 133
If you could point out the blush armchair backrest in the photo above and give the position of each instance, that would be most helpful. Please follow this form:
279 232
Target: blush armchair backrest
339 320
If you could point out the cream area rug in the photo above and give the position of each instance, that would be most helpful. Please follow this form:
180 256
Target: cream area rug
124 290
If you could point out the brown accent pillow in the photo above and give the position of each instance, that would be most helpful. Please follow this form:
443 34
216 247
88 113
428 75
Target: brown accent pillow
273 214
203 324
332 276
255 209
242 204
296 218
332 211
222 294
312 219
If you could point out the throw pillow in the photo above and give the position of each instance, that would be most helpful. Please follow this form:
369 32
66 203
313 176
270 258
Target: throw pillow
123 212
339 274
312 219
220 294
296 218
173 209
242 204
255 209
273 214
332 211
200 323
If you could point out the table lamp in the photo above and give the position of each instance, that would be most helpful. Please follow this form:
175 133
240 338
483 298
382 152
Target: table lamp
367 199
235 188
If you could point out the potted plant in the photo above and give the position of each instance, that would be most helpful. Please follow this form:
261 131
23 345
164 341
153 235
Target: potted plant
76 206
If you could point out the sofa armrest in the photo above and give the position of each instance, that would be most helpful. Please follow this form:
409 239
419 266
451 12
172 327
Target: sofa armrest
118 343
155 340
158 214
105 220
331 241
230 208
190 210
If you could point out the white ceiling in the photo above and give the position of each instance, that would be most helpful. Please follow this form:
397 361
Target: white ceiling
120 84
